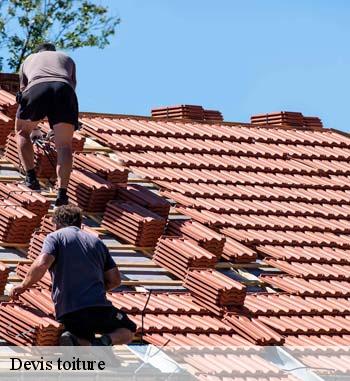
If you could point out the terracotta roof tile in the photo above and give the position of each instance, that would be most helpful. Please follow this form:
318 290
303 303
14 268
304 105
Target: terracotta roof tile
102 166
309 287
159 303
197 340
145 198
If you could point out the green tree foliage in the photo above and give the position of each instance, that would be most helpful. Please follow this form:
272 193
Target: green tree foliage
70 24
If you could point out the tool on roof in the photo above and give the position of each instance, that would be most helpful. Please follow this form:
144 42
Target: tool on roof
43 141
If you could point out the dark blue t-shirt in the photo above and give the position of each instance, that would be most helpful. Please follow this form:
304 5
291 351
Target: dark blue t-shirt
78 270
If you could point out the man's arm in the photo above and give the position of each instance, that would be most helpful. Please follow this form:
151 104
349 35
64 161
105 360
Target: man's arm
23 80
35 273
112 278
111 272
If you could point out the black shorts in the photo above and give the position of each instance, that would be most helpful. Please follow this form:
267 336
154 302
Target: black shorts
55 100
87 322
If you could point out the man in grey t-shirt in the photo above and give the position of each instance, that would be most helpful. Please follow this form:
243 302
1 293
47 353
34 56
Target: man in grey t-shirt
47 83
81 269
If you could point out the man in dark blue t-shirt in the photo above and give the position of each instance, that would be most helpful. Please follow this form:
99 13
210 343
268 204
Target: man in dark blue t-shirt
81 269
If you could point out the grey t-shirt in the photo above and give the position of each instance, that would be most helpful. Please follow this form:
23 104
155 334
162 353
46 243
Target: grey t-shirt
47 66
78 270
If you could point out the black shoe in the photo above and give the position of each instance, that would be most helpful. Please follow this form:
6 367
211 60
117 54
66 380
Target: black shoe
63 200
67 339
104 341
32 184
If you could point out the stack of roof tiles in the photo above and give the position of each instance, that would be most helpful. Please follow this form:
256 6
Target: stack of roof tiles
16 223
22 270
22 195
179 112
287 118
179 254
236 252
312 122
44 160
145 198
28 326
89 191
214 290
4 273
102 166
8 104
39 299
187 112
47 224
133 223
213 116
205 237
36 244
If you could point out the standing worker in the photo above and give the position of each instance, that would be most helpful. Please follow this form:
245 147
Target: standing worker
81 269
47 89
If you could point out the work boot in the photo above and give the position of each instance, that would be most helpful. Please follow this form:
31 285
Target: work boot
32 184
31 181
61 200
67 339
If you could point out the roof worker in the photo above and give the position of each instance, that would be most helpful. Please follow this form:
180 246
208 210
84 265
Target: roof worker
81 269
47 89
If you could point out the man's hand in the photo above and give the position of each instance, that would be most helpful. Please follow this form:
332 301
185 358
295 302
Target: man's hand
17 291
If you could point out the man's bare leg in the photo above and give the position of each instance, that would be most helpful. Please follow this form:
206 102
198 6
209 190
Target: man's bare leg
25 149
63 142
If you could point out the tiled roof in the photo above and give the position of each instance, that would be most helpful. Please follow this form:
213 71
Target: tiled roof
251 219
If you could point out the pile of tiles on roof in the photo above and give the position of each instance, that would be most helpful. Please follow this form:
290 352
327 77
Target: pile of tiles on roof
133 223
177 255
214 290
36 244
28 199
102 166
145 198
28 326
16 223
89 191
187 112
205 237
39 298
287 118
4 273
22 270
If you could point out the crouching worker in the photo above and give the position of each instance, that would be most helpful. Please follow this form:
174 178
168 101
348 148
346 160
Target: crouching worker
82 270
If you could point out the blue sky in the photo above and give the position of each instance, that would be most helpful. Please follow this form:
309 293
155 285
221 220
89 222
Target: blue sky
240 57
